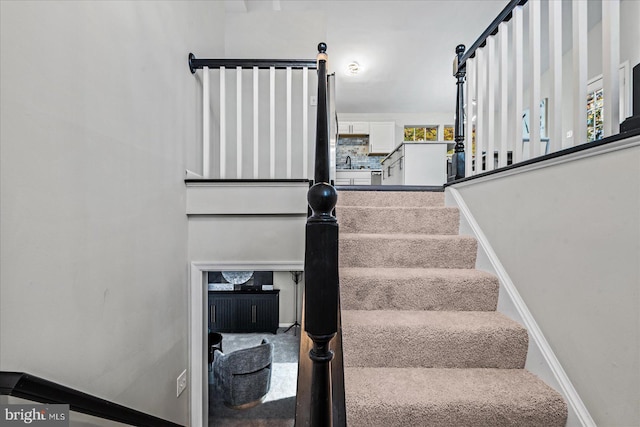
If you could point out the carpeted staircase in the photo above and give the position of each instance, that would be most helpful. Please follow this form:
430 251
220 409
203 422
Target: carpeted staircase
423 344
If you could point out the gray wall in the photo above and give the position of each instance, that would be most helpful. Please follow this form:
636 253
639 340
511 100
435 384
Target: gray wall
98 111
569 237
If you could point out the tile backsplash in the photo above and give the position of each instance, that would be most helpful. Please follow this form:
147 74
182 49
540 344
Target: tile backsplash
357 149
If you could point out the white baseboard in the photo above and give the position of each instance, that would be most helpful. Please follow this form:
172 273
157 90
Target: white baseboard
541 359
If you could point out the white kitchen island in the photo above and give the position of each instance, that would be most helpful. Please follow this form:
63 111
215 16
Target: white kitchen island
417 163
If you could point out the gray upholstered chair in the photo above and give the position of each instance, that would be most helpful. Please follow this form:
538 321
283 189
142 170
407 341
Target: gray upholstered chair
243 377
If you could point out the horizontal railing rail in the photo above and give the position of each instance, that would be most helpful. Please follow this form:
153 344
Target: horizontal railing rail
31 387
510 109
274 114
491 30
199 63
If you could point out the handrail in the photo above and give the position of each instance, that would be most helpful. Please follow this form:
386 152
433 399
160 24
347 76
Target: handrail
321 262
31 387
198 63
492 29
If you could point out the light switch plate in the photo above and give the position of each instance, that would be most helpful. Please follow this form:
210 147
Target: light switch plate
181 382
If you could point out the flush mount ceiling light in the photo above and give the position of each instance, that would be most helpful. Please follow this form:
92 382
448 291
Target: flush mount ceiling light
353 68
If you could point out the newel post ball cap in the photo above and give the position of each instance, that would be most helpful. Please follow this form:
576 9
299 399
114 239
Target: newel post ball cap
322 198
460 49
322 47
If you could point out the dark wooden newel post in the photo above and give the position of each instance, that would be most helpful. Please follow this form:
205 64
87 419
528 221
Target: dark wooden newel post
321 261
457 161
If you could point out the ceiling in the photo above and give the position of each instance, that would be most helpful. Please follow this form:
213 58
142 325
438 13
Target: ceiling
405 48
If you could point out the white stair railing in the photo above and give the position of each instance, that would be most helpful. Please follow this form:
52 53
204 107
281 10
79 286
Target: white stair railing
511 109
284 128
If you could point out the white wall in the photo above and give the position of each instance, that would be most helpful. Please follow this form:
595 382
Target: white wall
568 236
98 109
283 34
630 31
282 280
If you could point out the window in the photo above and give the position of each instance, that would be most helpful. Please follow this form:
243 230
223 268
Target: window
595 128
595 103
448 133
421 133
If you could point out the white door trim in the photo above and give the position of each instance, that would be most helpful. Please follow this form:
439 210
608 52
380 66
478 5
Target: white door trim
198 375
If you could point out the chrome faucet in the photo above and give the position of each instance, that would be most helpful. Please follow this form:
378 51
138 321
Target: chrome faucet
348 162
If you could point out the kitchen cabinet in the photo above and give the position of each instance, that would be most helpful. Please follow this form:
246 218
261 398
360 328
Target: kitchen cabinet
416 163
353 128
353 177
382 137
243 311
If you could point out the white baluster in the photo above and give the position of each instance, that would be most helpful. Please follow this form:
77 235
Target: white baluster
239 122
288 123
206 138
503 34
272 122
305 122
579 11
470 112
256 129
534 88
481 125
223 125
518 92
554 107
610 65
491 102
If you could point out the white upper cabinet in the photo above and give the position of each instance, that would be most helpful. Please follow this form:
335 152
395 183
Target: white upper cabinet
382 137
353 128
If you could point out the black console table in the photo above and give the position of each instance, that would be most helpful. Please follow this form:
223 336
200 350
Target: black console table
244 311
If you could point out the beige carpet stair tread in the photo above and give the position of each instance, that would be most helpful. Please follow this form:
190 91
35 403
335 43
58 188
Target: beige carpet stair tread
450 397
417 289
428 220
441 339
423 344
414 250
390 198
